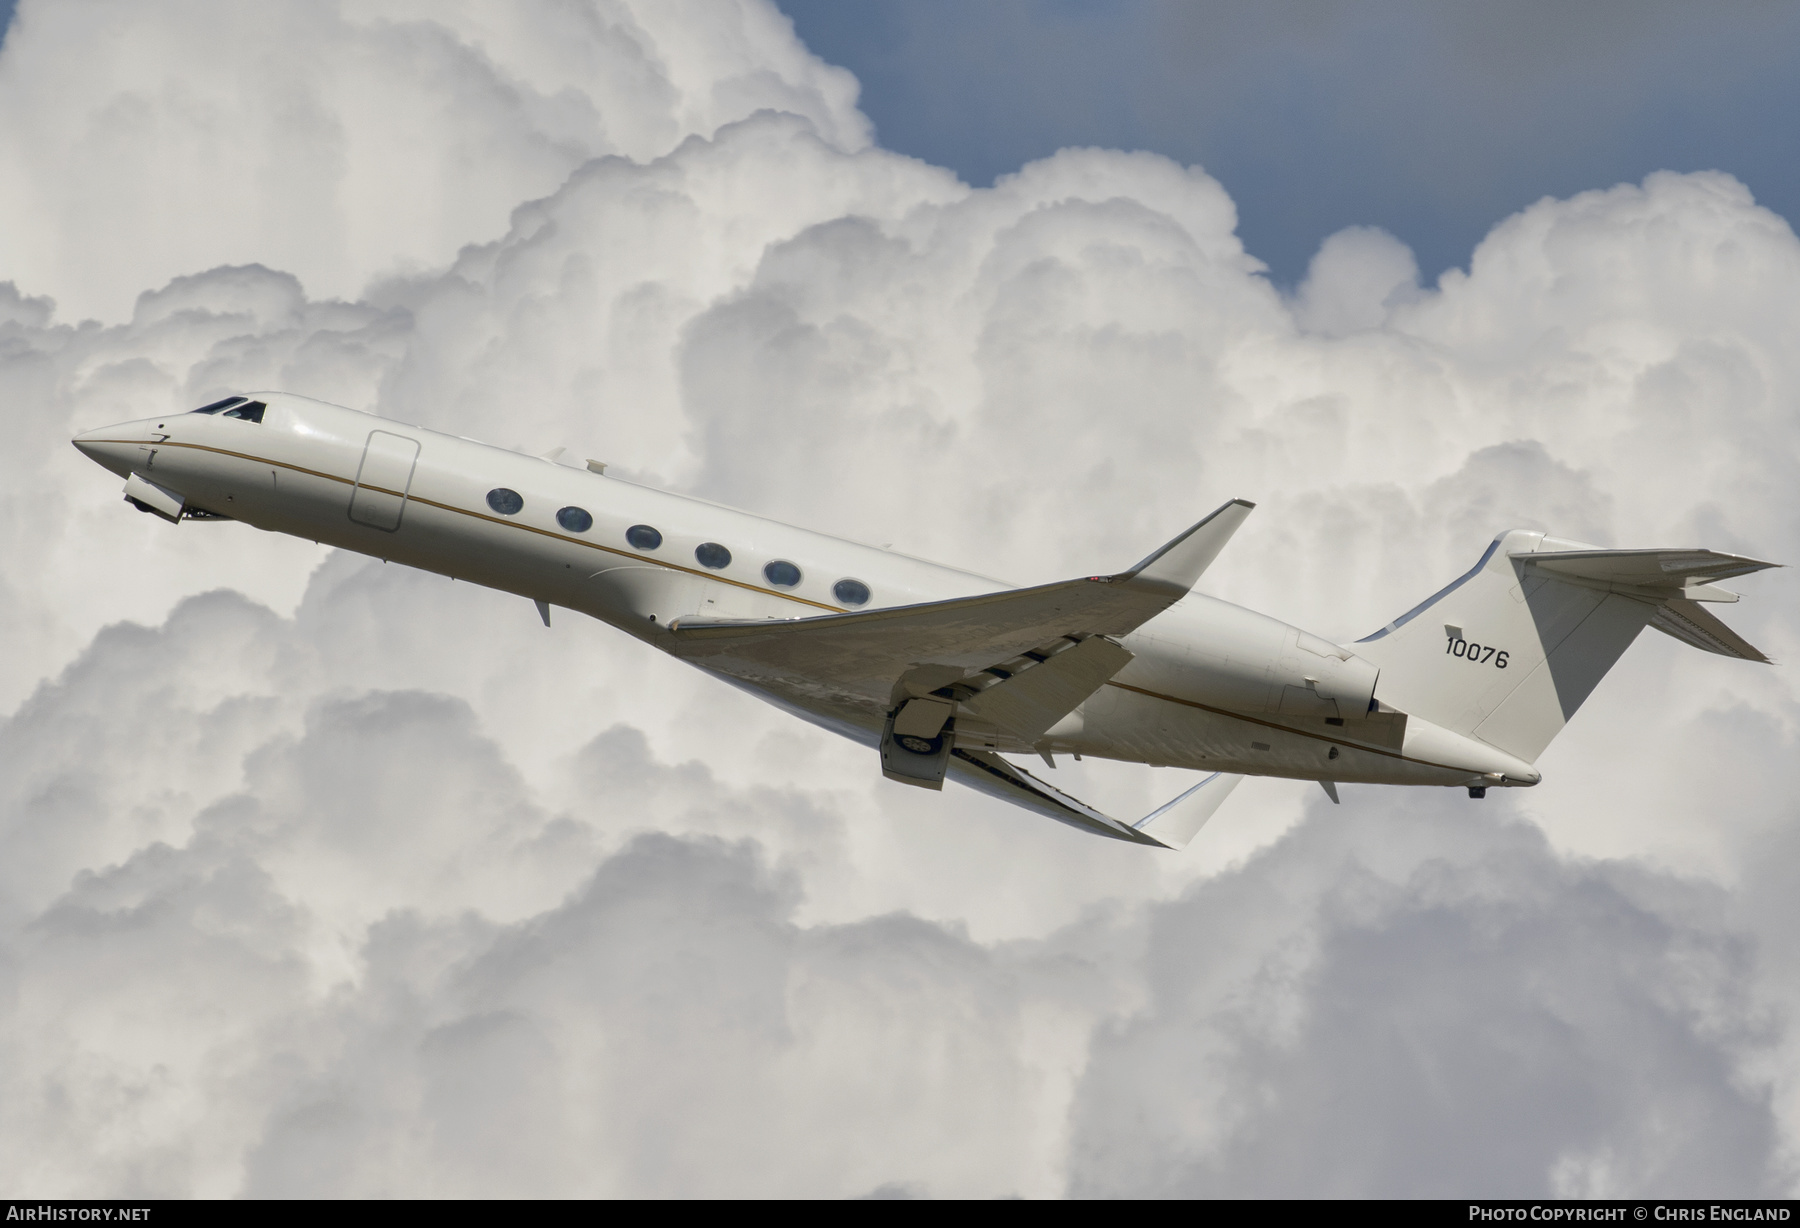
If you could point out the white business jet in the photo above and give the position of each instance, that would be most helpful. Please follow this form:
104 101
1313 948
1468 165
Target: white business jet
942 671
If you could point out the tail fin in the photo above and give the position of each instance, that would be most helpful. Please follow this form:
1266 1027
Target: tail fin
1509 651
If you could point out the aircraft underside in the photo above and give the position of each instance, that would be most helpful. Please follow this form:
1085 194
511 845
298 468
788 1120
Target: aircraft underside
1132 724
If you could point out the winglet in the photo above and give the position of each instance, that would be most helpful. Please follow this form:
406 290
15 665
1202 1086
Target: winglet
1180 563
1174 825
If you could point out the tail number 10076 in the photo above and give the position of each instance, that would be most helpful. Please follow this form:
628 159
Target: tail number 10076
1480 654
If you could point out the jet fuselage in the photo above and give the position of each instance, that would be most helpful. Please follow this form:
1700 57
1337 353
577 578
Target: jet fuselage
1211 686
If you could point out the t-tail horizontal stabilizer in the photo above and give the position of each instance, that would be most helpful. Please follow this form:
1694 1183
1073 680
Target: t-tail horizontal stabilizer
1694 626
1676 581
1170 826
1507 652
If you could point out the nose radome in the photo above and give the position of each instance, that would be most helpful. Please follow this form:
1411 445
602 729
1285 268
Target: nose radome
111 447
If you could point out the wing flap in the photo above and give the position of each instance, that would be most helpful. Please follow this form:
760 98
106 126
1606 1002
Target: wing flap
1028 703
864 654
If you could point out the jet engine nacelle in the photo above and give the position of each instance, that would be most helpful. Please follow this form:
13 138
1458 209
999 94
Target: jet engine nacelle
1319 678
1228 657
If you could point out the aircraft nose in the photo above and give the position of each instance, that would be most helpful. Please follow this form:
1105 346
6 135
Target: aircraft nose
111 447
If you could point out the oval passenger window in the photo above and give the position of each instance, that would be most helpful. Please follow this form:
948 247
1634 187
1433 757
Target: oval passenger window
713 555
851 592
575 519
782 574
643 537
506 502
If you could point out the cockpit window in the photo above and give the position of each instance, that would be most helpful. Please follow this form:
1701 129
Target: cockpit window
249 411
216 406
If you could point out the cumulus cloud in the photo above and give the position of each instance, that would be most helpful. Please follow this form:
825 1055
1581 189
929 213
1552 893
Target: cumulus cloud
341 144
1356 275
1433 1010
319 875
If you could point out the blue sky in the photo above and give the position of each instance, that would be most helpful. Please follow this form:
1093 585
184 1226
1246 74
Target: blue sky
1430 120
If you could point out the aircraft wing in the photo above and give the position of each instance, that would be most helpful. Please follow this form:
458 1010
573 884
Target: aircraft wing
880 656
867 653
1169 826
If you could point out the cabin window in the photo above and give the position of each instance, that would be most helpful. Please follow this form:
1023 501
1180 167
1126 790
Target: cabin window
216 406
643 537
249 411
781 573
506 502
851 592
575 519
713 555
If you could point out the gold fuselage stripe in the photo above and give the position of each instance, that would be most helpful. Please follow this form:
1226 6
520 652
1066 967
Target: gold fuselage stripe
641 558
